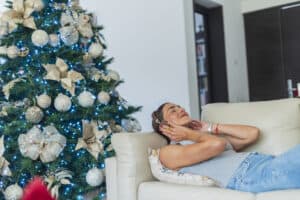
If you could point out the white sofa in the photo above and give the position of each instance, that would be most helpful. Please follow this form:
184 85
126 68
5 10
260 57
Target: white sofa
129 177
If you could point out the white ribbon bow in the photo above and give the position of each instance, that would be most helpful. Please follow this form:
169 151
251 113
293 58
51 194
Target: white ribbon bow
20 14
91 140
4 169
47 144
59 72
80 23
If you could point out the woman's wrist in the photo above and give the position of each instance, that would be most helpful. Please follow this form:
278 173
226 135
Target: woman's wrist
216 129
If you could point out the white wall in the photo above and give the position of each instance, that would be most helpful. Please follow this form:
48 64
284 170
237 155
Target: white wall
147 39
253 5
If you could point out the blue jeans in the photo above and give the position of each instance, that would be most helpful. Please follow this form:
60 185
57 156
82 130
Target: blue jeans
261 172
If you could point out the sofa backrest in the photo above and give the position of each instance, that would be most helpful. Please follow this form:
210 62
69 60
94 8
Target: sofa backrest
278 121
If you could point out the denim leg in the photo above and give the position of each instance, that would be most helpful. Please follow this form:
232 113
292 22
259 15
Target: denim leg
266 172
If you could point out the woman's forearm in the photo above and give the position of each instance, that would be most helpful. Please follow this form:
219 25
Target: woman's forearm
237 131
200 136
240 136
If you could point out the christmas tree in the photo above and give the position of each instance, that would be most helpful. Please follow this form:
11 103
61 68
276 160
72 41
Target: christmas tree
59 105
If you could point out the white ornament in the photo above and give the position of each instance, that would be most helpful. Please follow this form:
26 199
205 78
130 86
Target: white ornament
40 38
12 52
95 50
103 97
69 35
94 177
62 103
86 99
113 75
53 40
3 50
13 192
34 114
44 101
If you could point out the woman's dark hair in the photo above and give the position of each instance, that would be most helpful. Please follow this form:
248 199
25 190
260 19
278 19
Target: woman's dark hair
157 118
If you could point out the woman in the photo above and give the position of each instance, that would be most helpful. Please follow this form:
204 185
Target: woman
214 151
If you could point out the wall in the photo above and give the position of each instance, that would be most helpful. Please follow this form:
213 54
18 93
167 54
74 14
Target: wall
147 39
253 5
153 45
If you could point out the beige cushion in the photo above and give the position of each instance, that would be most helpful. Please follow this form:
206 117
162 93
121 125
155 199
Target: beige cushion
162 173
171 191
278 121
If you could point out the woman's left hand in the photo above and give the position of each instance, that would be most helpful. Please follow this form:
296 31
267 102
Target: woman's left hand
175 132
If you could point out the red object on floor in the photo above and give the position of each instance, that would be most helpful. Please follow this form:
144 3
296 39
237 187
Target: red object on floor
36 190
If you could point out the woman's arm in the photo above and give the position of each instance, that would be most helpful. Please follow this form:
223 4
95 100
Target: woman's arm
205 147
240 136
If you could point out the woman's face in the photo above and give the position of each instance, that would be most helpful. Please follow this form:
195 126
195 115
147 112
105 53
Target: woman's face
175 114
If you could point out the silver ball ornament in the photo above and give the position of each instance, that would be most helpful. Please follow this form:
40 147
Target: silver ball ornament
113 75
94 177
62 103
40 38
53 40
13 192
86 99
12 52
103 97
44 101
34 114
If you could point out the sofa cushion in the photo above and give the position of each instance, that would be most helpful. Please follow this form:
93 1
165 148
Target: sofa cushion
162 173
171 191
279 195
278 121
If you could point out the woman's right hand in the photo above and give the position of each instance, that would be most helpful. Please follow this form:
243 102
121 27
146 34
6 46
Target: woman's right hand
175 132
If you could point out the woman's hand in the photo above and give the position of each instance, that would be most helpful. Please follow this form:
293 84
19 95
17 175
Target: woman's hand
199 125
174 132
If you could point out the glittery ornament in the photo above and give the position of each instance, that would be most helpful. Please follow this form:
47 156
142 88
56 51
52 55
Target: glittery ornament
12 52
86 99
40 38
62 103
113 75
94 177
103 97
53 40
44 101
34 114
13 192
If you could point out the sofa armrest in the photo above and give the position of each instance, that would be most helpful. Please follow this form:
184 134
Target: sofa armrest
111 178
132 161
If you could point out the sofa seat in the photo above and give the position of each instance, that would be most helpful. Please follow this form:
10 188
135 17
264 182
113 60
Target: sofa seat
156 190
